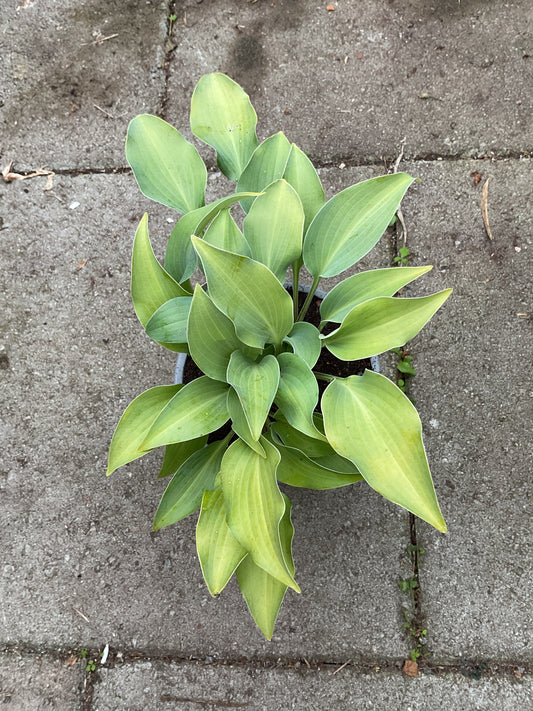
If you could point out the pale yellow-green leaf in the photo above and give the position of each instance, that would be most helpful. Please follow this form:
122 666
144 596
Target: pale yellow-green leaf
364 286
266 165
135 424
224 234
263 593
255 506
369 421
382 323
248 293
223 117
297 394
178 453
239 423
304 339
218 550
201 409
301 174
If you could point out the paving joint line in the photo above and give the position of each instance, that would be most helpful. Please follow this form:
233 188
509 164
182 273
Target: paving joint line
169 47
473 668
345 162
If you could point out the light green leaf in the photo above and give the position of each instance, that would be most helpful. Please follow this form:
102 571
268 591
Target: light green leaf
297 469
274 227
369 421
305 341
184 492
382 323
223 117
224 234
201 409
211 336
364 286
177 454
297 394
180 257
169 322
350 224
266 165
218 550
167 168
239 423
151 285
255 506
255 384
292 437
263 593
135 423
301 174
248 293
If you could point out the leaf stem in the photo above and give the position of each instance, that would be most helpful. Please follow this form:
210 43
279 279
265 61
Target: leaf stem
295 284
308 299
324 376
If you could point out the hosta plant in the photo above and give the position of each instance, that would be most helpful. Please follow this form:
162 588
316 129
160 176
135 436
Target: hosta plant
255 350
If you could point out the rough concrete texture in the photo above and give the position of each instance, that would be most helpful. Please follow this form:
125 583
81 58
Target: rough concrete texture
78 546
189 686
73 74
474 392
450 77
39 683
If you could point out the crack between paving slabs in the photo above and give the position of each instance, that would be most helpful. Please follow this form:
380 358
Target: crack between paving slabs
169 47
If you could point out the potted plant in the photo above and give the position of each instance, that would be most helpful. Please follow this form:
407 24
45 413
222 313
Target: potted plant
255 351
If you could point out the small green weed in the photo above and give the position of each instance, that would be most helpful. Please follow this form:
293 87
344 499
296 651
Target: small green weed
403 256
91 665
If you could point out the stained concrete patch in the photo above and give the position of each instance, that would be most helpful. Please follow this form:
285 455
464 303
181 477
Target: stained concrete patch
39 683
72 74
189 686
449 77
79 557
474 391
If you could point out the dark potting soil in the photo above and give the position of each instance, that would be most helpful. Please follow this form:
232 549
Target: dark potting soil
327 363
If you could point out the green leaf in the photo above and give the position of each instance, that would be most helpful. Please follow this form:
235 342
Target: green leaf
296 469
169 322
223 117
305 342
224 234
255 506
135 424
177 454
255 384
151 285
292 437
364 286
184 492
266 165
297 394
201 409
350 224
180 257
211 336
248 293
167 168
369 421
382 323
301 174
263 593
239 423
405 367
218 550
274 228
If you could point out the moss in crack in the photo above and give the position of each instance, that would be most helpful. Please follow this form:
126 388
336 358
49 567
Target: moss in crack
414 622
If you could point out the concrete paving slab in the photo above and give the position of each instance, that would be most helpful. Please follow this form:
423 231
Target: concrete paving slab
189 686
39 683
451 78
73 74
474 390
79 556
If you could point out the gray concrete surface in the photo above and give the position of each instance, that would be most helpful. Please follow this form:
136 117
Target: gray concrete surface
40 683
475 395
189 686
80 567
